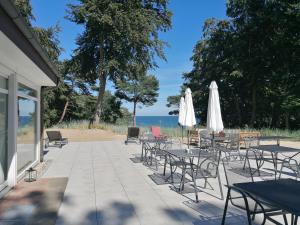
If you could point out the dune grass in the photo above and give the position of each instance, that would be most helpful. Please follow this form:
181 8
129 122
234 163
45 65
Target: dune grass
121 128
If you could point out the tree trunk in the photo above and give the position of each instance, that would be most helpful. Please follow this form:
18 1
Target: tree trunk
238 110
253 112
64 112
134 113
102 84
287 120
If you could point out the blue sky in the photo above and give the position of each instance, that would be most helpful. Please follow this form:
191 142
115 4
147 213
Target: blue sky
188 20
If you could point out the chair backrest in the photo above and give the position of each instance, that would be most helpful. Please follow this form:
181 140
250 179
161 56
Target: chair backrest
133 132
209 161
54 135
234 141
237 171
156 131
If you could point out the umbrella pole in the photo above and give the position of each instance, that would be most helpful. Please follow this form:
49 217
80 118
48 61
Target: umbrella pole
182 134
188 138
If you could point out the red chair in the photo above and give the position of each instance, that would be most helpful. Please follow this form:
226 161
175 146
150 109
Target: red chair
156 132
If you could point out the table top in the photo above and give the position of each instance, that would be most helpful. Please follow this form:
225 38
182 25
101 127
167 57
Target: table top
183 153
271 138
155 140
275 148
216 138
282 193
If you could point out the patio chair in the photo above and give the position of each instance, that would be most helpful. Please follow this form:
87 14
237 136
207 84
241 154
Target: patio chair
133 134
207 167
56 137
231 149
292 165
204 142
156 150
173 162
237 172
156 132
194 137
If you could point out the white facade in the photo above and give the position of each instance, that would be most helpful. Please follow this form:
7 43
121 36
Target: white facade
20 84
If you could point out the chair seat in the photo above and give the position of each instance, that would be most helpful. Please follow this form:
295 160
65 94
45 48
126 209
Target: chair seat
178 163
203 173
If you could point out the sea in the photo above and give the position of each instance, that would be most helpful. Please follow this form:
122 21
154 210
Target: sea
162 121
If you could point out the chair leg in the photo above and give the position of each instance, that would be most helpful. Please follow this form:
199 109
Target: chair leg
195 189
281 170
165 165
255 208
171 169
220 186
225 207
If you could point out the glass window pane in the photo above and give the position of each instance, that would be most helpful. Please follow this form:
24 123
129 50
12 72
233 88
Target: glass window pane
3 137
26 139
3 83
26 90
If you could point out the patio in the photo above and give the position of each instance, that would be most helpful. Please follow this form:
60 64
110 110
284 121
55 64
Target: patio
106 187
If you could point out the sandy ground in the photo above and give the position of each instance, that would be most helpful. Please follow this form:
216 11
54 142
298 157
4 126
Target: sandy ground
80 135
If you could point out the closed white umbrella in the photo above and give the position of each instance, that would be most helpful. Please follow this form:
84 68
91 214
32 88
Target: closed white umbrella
214 117
181 116
190 119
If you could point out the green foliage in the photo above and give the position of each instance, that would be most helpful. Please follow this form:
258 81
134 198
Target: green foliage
140 88
173 102
117 35
71 99
143 89
254 57
25 10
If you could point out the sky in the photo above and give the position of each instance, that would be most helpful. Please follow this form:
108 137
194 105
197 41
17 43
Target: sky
187 23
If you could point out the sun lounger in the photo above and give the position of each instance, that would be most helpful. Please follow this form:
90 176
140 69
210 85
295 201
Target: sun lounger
56 137
133 134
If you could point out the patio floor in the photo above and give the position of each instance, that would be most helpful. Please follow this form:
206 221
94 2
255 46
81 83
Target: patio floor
106 187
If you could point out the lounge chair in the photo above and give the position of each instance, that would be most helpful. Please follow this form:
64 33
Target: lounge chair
56 137
156 132
133 134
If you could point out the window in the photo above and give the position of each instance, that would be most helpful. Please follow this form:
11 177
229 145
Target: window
24 90
27 131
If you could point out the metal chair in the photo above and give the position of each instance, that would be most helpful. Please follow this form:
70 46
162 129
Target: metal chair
207 167
231 149
56 137
172 161
292 165
237 172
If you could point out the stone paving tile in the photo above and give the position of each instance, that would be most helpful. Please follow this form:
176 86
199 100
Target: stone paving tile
106 187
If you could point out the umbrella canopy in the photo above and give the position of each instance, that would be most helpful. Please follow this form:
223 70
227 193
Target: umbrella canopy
181 116
214 117
190 119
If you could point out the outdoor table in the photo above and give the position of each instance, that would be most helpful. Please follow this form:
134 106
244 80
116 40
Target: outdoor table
282 193
272 138
146 143
183 154
275 150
